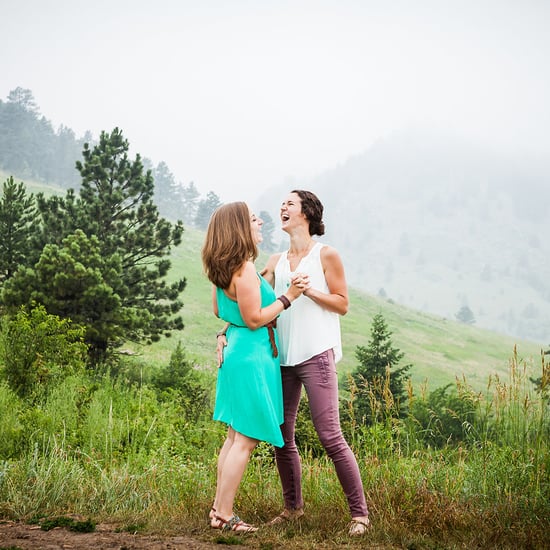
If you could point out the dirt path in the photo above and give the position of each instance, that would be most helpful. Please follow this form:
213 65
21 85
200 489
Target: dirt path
15 535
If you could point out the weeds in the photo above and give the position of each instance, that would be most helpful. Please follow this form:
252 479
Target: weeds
86 526
471 469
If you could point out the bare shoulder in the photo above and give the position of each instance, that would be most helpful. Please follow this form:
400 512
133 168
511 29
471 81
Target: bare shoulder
272 262
244 274
331 260
247 270
329 253
268 272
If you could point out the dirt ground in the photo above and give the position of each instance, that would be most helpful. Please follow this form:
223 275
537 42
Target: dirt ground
20 536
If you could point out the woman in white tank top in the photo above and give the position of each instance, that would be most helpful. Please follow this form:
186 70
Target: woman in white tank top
310 346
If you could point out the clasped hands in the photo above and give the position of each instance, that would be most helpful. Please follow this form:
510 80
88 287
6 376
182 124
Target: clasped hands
300 280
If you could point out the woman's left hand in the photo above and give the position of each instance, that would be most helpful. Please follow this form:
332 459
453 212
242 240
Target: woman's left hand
300 280
221 342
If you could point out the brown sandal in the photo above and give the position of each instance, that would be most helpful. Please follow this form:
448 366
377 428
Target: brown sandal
234 523
358 527
287 515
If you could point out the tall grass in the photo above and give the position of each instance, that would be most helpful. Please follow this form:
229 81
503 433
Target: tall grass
512 432
116 452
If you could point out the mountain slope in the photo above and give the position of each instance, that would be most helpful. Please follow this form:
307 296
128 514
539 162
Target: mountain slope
436 223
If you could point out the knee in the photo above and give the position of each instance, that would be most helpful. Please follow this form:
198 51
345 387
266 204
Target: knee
289 449
244 444
249 446
334 443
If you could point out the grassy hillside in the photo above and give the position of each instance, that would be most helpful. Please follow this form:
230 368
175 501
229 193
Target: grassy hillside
33 186
438 349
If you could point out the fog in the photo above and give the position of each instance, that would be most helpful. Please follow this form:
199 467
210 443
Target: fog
239 96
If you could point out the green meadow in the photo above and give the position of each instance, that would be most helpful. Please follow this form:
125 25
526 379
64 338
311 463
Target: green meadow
134 445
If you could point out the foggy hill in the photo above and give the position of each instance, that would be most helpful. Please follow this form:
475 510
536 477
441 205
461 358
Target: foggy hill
436 223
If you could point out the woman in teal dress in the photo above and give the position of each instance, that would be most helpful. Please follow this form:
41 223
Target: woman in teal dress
248 390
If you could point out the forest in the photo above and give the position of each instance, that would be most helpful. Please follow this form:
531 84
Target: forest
91 426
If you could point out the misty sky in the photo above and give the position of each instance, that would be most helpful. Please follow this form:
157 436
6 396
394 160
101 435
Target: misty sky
241 95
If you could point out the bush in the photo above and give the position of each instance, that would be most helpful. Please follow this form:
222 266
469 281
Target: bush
179 382
11 427
38 349
442 418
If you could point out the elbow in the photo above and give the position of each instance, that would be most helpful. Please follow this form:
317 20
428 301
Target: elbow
253 324
344 307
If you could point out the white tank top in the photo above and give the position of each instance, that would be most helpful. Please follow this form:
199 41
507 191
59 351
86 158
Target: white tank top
306 329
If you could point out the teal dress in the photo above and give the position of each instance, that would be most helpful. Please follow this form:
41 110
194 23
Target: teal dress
249 394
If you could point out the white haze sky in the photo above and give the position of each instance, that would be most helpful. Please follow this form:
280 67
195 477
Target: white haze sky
238 96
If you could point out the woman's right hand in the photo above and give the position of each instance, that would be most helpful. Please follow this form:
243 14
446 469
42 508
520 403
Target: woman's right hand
299 282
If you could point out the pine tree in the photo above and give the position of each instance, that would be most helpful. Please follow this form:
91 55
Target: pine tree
115 205
465 315
379 381
206 209
30 147
74 281
17 224
190 195
168 194
268 229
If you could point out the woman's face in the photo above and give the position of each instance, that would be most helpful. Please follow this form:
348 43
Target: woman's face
256 227
291 212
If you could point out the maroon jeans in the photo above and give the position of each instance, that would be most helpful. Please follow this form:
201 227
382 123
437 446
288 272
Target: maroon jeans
318 376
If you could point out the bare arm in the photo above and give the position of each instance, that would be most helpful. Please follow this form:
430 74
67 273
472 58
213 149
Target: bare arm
249 299
221 340
268 272
214 302
337 299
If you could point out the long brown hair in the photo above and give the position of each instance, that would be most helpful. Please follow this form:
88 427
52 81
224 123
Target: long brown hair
228 243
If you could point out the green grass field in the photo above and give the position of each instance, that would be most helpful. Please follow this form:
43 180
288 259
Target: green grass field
117 450
34 186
